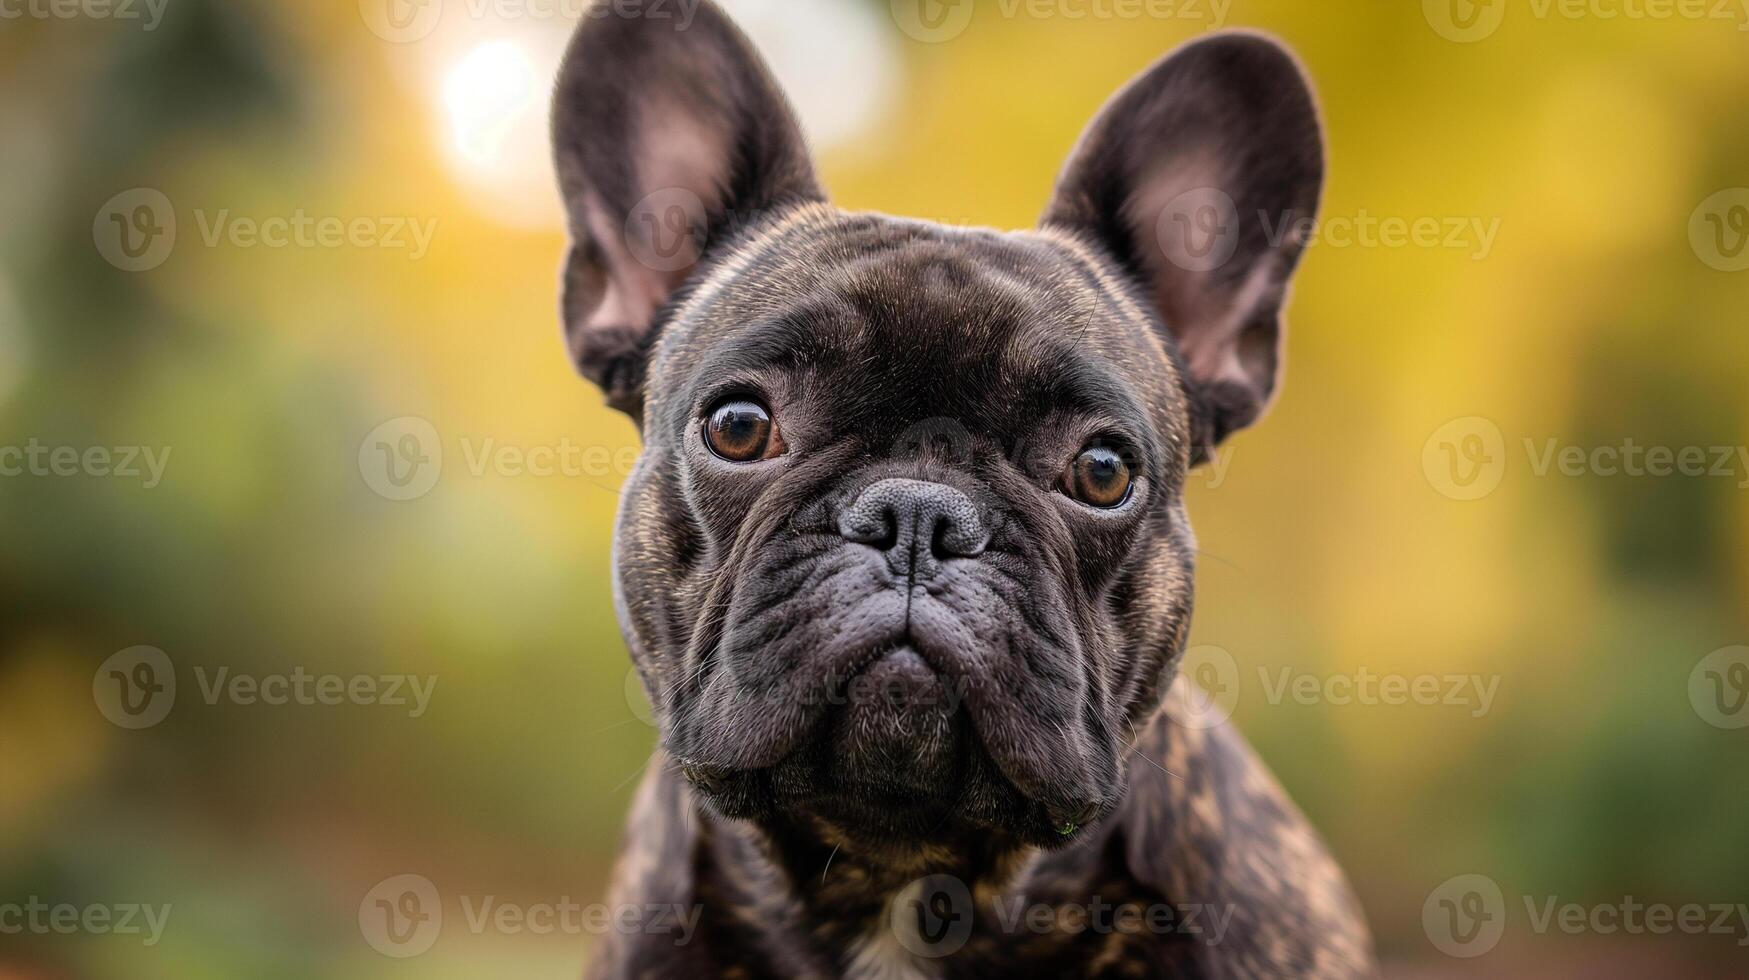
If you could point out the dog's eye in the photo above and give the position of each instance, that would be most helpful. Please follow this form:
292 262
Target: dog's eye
739 431
1099 477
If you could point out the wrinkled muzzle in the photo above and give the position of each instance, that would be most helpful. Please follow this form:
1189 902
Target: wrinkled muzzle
903 649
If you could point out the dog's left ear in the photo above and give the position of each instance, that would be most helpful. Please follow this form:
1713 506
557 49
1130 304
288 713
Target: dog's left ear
1200 178
668 134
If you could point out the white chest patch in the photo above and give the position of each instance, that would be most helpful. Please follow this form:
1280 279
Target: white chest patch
885 953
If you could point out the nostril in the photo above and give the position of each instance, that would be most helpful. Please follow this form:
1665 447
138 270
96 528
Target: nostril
877 527
886 533
953 539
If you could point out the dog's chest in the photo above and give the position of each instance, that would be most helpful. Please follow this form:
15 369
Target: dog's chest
1109 931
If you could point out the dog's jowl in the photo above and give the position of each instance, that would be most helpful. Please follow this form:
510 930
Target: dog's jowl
904 564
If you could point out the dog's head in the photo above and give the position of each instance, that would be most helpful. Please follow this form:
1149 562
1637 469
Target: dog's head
906 545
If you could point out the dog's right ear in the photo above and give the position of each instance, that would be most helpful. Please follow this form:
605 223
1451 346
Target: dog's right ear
665 132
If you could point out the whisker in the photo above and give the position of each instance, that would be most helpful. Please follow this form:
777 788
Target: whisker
1235 566
1136 743
611 727
828 866
621 783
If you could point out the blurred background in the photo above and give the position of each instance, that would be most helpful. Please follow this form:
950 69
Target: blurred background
282 396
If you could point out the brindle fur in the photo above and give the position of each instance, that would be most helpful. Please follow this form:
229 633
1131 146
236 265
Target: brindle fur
1203 825
970 358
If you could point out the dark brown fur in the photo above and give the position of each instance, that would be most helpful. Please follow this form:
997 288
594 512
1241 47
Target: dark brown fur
1203 826
976 363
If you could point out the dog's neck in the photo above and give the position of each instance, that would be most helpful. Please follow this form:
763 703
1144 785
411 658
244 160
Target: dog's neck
841 889
836 865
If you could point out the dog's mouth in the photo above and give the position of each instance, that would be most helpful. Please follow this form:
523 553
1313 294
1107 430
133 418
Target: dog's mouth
890 726
900 717
897 731
828 683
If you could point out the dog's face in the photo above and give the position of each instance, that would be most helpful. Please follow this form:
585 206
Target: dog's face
907 546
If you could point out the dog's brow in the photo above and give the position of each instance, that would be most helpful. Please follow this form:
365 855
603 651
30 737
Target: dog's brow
803 335
1058 373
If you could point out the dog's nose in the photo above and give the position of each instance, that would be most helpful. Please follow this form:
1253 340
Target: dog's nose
916 524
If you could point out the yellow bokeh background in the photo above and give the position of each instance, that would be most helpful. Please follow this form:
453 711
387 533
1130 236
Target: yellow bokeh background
1581 144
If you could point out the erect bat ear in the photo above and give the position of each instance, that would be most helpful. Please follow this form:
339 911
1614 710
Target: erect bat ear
1200 178
665 132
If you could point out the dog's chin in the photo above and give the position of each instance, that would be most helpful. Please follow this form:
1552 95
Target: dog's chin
965 795
896 758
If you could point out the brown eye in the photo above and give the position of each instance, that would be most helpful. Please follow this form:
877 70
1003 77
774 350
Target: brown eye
739 431
1099 477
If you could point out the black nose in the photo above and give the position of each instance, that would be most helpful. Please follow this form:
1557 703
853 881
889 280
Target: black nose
917 524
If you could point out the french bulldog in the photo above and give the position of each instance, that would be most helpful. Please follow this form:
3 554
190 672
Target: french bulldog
904 564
